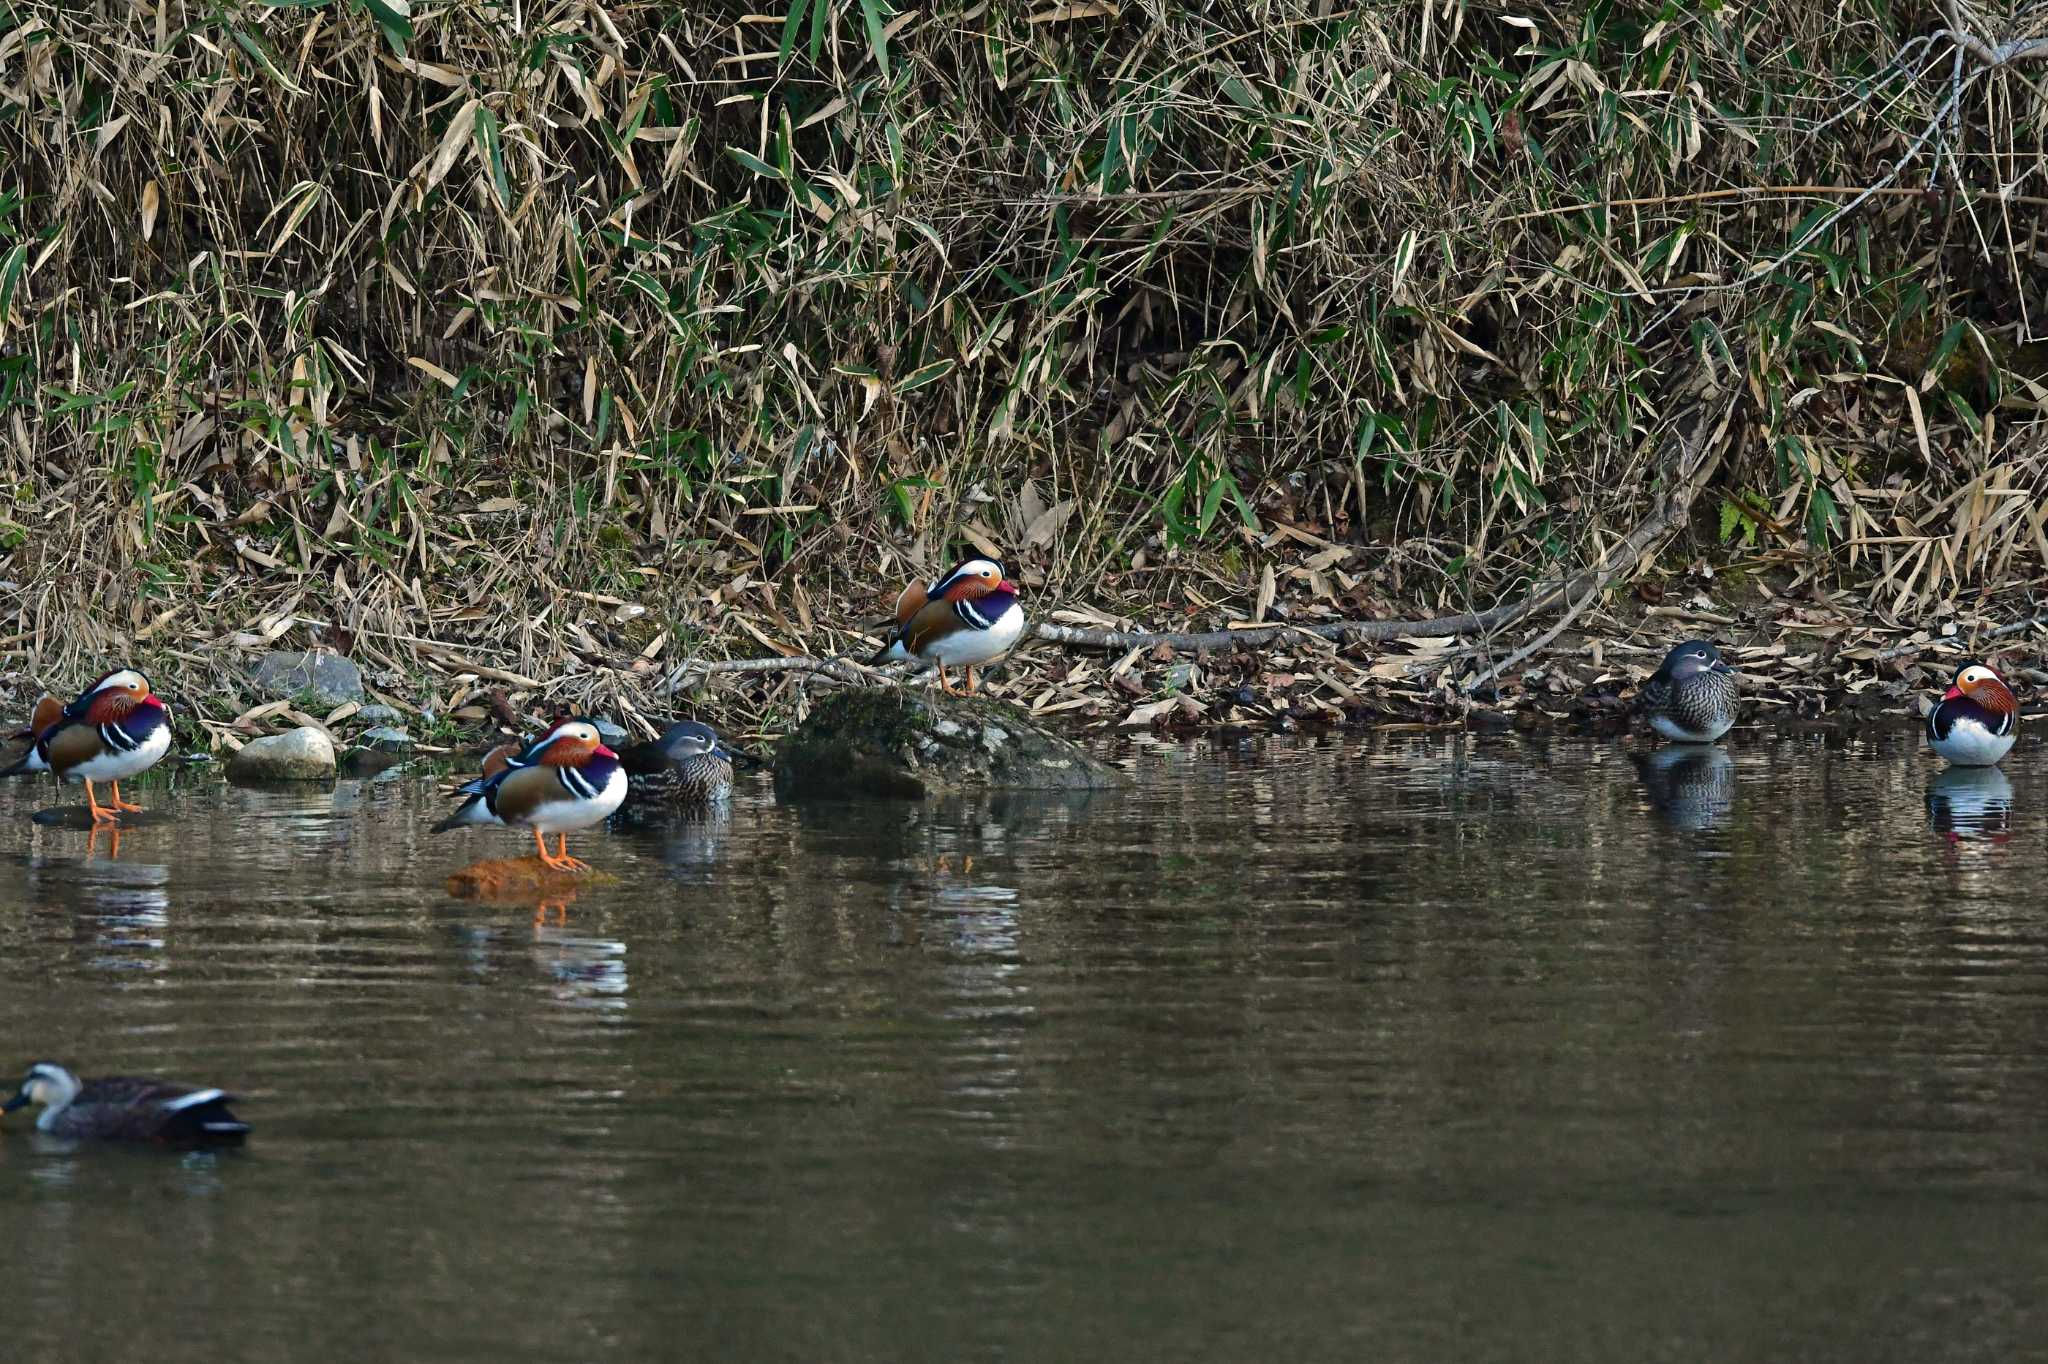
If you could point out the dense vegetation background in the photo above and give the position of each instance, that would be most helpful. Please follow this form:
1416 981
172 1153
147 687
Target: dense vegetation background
493 324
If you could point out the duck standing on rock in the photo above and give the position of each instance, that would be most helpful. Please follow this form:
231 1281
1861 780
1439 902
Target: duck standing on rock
688 767
566 780
1977 718
1692 697
116 728
969 616
127 1108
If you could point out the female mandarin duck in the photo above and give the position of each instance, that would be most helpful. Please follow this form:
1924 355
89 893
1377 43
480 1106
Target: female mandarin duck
116 728
1977 718
566 780
126 1108
1692 697
969 616
687 766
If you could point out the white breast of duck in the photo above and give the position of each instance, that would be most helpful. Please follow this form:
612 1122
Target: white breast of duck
122 755
586 802
992 627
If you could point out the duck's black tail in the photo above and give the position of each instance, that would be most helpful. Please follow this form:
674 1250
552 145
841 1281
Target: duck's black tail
471 811
211 1122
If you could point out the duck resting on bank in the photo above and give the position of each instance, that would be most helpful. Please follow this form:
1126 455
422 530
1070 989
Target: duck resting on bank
969 616
1976 720
1692 697
127 1108
117 728
567 779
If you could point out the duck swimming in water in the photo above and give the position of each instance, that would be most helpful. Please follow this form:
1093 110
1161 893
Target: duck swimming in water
687 767
127 1108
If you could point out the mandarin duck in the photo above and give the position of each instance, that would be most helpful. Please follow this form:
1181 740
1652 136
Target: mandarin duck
1691 698
115 729
127 1108
1977 718
688 766
969 616
567 779
508 755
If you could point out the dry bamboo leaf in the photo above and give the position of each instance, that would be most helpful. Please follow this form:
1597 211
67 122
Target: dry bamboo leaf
432 370
150 195
453 143
1919 422
1046 526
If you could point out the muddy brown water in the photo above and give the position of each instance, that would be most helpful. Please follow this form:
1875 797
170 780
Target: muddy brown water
1394 1047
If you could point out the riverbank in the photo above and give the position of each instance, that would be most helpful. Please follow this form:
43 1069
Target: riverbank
1799 654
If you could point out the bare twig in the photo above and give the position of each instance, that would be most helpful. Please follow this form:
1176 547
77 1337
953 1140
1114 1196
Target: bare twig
838 669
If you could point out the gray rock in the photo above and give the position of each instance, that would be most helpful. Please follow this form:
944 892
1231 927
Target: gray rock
379 715
305 754
387 738
911 743
609 732
322 679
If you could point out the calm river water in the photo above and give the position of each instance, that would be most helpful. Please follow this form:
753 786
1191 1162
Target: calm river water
1397 1047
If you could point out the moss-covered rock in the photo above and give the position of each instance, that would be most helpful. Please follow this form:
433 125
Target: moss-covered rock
910 743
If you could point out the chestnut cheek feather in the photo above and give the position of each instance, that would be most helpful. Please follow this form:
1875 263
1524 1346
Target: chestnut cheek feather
1995 696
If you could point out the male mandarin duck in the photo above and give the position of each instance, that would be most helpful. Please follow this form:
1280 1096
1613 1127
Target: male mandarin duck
689 765
567 779
1977 718
509 755
116 728
127 1108
1692 697
969 616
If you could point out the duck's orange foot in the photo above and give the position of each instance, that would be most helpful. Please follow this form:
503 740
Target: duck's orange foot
128 805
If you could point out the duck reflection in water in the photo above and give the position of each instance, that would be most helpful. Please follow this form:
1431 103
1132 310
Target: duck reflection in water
1970 805
1691 787
588 972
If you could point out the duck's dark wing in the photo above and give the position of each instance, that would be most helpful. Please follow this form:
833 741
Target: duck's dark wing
1943 718
139 1108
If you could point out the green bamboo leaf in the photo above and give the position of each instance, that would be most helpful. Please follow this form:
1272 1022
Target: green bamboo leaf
790 23
394 17
925 374
871 14
10 275
486 133
754 163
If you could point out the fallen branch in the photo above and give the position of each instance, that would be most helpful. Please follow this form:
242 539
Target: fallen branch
1538 644
838 669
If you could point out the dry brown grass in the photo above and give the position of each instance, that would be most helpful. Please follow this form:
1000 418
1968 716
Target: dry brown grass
548 343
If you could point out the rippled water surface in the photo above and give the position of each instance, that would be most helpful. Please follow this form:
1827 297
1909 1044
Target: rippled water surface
1411 1046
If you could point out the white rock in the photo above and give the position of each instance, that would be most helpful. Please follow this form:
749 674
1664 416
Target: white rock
305 754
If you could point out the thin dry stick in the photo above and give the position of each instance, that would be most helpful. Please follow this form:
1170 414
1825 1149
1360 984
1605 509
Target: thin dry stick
838 669
1541 642
1763 192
